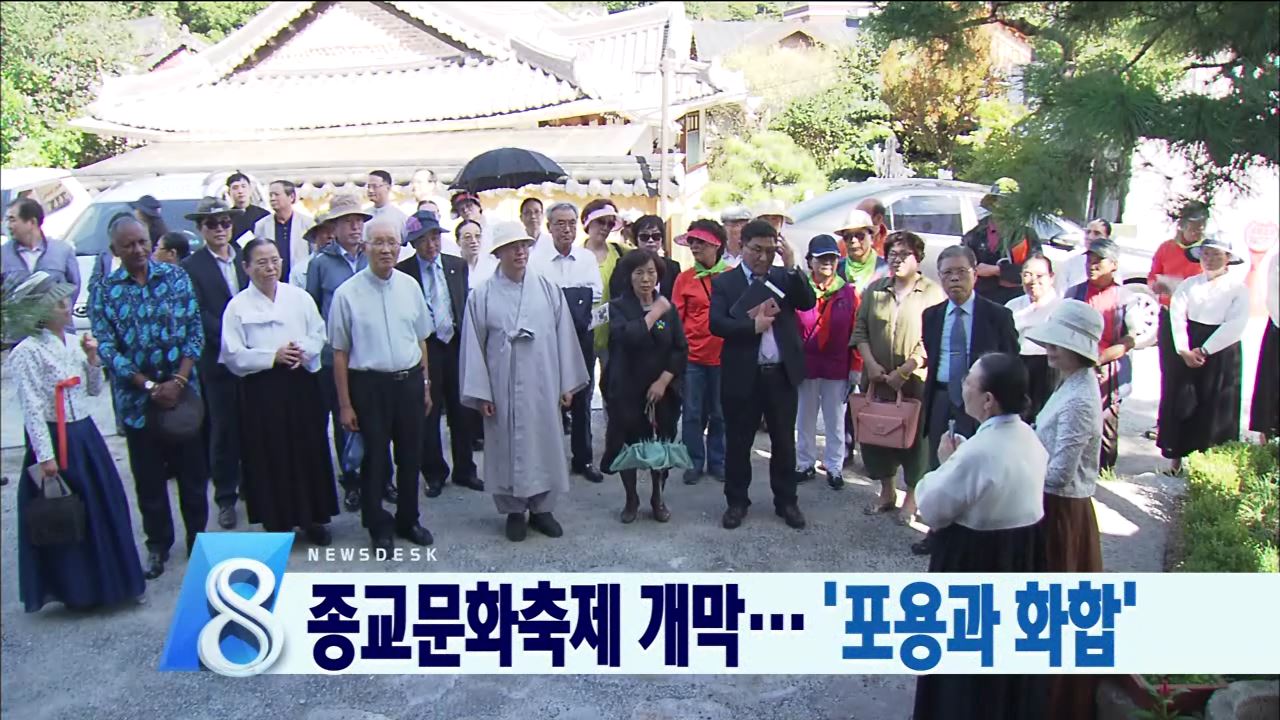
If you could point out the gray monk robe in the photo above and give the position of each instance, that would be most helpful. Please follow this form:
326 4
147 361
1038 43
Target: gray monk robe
520 352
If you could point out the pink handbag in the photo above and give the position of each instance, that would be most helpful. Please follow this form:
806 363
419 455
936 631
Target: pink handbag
890 424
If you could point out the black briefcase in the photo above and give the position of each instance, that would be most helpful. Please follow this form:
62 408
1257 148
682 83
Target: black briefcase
55 516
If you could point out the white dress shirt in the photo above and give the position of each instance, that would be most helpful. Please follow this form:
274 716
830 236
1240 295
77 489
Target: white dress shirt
1223 301
31 255
769 353
228 270
993 481
578 269
380 323
254 327
944 347
1027 315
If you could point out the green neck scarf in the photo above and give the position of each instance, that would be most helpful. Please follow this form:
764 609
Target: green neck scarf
833 287
857 272
700 272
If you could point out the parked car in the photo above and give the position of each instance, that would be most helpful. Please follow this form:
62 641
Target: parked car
941 212
62 196
178 195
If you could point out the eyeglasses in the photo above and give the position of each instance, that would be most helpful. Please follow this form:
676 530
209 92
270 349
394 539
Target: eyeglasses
651 237
771 250
900 255
216 223
384 243
854 235
956 274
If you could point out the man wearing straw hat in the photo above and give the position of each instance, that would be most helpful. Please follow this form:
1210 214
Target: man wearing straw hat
330 267
521 363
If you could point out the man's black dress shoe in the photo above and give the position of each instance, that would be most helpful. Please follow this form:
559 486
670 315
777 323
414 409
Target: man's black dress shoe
227 517
390 494
792 515
417 535
351 499
517 528
733 517
155 565
318 535
590 473
472 483
546 524
383 542
434 488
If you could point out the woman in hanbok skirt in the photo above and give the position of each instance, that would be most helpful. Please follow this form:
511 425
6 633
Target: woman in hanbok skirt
1208 314
272 335
56 372
1264 414
985 503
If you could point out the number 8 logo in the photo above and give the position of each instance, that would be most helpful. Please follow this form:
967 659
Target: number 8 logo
248 613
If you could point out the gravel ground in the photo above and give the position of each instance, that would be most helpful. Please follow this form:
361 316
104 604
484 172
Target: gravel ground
59 664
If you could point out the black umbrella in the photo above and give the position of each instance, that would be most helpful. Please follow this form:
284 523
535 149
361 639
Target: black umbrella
511 168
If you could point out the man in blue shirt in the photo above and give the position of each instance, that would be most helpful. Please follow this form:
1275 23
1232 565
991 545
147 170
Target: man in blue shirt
147 322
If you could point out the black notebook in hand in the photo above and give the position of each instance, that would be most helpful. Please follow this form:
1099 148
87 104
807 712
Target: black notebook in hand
759 291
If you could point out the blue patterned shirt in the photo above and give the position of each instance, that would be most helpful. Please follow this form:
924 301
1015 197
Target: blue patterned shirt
145 329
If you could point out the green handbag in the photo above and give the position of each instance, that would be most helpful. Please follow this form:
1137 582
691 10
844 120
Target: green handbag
655 454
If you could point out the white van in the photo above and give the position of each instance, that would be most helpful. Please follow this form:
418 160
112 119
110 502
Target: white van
178 195
62 196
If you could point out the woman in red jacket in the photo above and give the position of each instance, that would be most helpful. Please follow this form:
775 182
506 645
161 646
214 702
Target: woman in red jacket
825 330
703 420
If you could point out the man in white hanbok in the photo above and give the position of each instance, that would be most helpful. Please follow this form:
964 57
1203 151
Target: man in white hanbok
520 364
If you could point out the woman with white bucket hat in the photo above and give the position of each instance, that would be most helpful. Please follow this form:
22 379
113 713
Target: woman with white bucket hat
1070 428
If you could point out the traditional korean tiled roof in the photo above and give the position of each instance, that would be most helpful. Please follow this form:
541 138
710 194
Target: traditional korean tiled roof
307 68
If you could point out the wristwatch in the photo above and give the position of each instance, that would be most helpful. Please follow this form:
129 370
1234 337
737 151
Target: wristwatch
149 386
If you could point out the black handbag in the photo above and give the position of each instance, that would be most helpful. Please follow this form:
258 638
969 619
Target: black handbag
182 421
55 516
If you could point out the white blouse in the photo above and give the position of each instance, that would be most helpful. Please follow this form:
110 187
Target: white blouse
993 481
1027 315
1070 428
1223 301
41 362
254 328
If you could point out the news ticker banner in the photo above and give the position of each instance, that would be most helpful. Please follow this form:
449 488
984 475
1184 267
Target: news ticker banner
240 613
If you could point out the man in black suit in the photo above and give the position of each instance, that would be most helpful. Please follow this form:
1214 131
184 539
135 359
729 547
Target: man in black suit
217 275
443 279
761 365
956 333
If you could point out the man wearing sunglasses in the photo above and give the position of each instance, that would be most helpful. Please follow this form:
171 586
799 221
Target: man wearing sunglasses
217 275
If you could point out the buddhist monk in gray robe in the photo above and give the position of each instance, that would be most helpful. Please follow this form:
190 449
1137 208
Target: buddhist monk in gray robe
520 364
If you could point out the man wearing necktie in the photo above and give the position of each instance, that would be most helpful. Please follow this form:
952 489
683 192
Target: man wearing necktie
444 286
956 333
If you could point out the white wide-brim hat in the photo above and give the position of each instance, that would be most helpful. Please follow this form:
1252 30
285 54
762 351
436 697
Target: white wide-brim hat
1236 253
1074 326
772 206
506 233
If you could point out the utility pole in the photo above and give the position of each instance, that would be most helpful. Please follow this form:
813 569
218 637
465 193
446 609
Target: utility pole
665 67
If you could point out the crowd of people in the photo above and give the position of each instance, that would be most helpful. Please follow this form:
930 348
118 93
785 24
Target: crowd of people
304 349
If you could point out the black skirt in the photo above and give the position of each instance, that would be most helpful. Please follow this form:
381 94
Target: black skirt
288 472
1042 380
1264 416
1203 407
957 549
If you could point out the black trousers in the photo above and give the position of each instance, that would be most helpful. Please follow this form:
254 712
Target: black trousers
151 460
221 392
580 408
390 410
941 413
773 398
1110 431
348 480
446 401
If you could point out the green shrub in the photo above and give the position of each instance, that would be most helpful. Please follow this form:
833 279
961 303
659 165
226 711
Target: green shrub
1232 511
